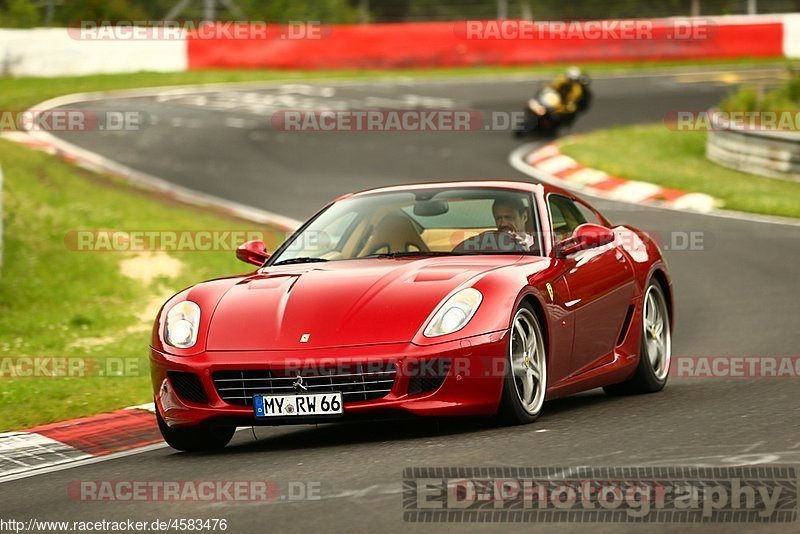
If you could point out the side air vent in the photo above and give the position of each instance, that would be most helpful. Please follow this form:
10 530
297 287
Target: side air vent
626 325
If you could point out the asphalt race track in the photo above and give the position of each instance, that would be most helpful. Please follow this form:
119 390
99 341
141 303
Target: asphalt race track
737 296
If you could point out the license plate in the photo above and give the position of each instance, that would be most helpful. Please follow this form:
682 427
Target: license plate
298 405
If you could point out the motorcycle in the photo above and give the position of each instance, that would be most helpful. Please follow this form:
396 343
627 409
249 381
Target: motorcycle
541 115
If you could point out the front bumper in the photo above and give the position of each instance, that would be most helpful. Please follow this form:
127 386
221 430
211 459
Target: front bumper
471 386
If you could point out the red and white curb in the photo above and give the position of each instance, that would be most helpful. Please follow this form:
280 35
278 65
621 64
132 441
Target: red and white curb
39 449
549 165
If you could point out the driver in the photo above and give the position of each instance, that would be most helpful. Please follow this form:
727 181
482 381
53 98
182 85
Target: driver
511 217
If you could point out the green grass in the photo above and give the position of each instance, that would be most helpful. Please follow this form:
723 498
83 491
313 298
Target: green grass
53 299
22 93
653 153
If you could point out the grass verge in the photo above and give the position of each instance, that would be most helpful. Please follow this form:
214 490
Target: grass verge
59 302
655 154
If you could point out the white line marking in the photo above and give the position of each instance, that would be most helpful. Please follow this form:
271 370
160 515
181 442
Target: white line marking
753 446
150 407
87 460
235 122
180 122
81 462
31 451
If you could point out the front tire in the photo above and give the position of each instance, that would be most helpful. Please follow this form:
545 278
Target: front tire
195 439
655 353
525 383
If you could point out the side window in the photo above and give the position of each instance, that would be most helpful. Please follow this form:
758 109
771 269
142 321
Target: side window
559 223
564 216
588 214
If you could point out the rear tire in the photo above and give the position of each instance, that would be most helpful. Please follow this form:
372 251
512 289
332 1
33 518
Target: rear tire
195 439
525 382
655 352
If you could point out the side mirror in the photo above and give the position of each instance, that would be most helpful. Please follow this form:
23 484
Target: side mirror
584 237
254 252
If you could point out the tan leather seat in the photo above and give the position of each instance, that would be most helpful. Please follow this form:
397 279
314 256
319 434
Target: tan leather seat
394 233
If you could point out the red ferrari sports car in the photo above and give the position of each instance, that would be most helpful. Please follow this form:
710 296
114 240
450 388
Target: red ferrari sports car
471 298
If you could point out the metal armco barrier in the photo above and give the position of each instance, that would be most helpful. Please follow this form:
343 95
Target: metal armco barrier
771 154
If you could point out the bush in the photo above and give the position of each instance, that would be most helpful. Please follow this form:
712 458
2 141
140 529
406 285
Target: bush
785 97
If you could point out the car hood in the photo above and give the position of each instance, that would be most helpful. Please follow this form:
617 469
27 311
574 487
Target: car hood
341 303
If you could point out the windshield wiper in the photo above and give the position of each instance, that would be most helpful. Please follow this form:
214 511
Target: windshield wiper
411 253
302 259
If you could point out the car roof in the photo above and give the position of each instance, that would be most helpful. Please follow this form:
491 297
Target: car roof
489 184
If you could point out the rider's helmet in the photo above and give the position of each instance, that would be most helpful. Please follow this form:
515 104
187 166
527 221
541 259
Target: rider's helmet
574 74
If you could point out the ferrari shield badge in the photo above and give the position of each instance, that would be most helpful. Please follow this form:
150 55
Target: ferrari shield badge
550 291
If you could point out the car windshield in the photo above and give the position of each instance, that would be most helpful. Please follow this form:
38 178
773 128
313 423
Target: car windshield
420 222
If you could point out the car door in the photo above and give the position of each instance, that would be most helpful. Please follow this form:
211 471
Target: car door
600 285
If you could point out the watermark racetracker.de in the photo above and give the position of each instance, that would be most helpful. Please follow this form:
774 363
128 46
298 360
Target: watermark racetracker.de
124 240
177 30
610 494
688 120
74 120
735 366
203 491
675 29
320 242
56 366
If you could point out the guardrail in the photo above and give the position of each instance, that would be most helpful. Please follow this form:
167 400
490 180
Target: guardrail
770 154
118 48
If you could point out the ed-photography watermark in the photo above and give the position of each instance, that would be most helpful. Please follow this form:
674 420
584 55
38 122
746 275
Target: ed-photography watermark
178 30
208 491
610 494
74 120
71 366
677 29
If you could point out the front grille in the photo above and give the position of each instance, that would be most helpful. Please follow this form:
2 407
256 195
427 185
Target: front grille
188 386
356 382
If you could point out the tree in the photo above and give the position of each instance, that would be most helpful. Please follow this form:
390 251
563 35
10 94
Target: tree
19 14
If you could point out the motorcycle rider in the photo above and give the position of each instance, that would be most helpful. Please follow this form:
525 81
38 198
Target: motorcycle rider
573 88
556 104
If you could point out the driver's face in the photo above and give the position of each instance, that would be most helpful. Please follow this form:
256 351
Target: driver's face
508 219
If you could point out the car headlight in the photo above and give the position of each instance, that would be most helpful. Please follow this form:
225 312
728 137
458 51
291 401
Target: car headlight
183 320
455 313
